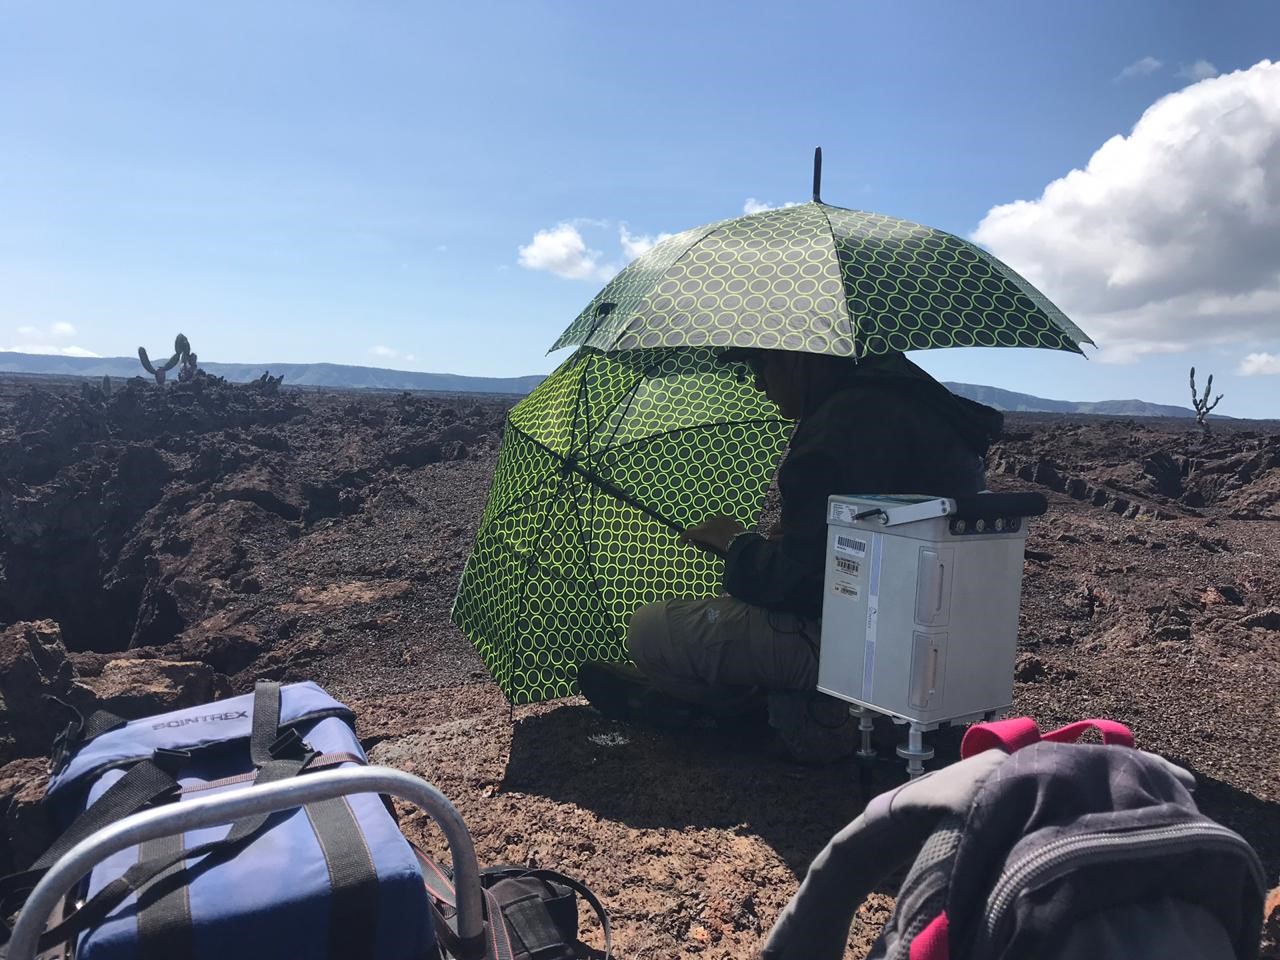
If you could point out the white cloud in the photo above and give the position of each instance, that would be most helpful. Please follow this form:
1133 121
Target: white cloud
1200 70
1171 235
1140 68
634 246
384 354
562 251
33 339
752 205
1259 364
49 349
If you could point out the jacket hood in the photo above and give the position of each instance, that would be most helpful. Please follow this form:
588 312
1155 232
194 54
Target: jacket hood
978 424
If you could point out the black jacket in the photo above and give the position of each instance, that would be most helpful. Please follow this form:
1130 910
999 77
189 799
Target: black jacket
887 428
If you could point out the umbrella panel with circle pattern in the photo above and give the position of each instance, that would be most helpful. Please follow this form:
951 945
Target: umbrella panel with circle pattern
601 466
822 279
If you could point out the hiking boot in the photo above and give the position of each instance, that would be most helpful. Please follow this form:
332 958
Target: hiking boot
621 692
664 713
815 729
745 705
614 689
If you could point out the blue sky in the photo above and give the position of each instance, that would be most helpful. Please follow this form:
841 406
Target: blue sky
354 182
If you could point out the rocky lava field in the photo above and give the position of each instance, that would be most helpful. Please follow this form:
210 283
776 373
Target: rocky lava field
161 547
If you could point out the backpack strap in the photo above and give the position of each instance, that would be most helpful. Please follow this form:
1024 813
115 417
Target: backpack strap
505 872
890 831
497 943
443 899
79 731
144 783
1112 732
1017 732
499 936
266 721
1007 735
934 941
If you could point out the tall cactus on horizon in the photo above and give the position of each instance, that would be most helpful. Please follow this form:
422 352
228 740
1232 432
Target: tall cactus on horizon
181 354
183 347
1201 404
157 371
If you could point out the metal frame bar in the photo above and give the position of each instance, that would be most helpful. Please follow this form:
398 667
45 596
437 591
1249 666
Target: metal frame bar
247 802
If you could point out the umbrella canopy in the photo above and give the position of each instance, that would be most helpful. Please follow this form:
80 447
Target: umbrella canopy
821 279
601 467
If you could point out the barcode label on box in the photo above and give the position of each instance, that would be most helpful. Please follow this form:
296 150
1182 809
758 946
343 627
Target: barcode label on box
846 588
851 546
850 567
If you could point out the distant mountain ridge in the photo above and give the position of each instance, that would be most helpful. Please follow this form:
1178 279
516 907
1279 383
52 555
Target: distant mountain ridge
336 375
1009 401
342 376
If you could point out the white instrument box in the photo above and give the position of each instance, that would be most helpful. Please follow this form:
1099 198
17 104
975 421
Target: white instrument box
920 619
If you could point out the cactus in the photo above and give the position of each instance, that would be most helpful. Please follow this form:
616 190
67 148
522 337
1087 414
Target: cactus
181 354
189 371
1201 404
96 393
267 383
157 371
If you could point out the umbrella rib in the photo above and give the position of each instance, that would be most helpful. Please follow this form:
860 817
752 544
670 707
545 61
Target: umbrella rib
540 445
619 494
612 489
583 406
532 559
619 331
844 298
529 565
617 424
531 555
756 422
524 503
588 546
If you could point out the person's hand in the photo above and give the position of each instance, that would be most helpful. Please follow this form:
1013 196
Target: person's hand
714 533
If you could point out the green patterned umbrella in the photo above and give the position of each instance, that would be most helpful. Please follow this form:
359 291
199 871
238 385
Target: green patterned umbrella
601 467
820 279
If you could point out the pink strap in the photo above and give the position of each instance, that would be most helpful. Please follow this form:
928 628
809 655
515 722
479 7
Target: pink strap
1112 732
1018 732
932 943
1008 735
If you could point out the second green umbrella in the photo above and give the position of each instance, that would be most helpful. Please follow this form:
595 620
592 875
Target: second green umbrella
601 467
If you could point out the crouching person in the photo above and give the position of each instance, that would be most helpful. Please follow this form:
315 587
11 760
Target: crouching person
878 425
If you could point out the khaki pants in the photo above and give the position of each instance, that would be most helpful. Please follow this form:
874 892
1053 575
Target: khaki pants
713 652
707 650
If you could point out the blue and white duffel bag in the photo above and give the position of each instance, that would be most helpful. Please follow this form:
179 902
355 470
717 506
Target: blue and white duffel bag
334 878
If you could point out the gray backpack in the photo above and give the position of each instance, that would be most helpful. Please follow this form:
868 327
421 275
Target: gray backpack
1036 847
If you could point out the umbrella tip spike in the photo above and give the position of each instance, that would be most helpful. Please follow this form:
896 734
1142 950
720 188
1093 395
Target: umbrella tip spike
817 174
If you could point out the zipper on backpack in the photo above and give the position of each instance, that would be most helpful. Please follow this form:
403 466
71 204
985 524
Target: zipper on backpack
1069 851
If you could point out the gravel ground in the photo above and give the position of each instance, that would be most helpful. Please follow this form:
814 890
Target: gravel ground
320 535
